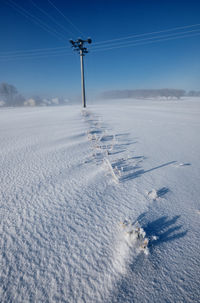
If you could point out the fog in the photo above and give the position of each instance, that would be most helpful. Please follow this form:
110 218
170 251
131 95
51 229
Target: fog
166 93
11 97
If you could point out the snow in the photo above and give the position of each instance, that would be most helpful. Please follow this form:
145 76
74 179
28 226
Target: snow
102 204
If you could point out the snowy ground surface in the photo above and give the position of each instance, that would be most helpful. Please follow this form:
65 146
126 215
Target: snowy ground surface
77 186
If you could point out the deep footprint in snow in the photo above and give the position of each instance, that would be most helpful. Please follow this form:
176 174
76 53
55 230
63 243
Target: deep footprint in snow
135 236
157 194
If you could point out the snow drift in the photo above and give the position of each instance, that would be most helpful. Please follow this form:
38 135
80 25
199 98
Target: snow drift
100 205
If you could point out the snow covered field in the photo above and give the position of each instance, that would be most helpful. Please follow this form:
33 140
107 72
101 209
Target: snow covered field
100 205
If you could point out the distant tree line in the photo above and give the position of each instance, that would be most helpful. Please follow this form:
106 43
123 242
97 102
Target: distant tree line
149 93
9 96
193 93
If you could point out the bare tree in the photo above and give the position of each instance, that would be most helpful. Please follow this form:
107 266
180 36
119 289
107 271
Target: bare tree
10 96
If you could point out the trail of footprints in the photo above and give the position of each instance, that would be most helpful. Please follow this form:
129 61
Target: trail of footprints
111 152
106 151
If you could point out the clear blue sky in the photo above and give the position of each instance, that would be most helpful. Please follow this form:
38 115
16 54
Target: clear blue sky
171 63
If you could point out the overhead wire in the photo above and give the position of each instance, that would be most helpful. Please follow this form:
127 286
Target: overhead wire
35 19
51 18
145 43
37 55
63 52
113 44
145 34
116 44
35 50
66 18
95 47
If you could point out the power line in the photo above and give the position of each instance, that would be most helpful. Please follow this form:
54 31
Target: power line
95 47
36 20
49 52
144 43
34 50
50 17
145 34
35 56
37 53
66 18
144 39
40 50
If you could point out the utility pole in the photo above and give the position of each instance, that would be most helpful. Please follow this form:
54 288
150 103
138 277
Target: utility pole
78 45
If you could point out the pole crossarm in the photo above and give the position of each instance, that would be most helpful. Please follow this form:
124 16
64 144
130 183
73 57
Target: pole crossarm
78 45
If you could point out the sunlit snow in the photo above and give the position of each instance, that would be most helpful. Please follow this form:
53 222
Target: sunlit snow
101 204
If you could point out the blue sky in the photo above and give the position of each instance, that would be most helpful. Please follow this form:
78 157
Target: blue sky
173 63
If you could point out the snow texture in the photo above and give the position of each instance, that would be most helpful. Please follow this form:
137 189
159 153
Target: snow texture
100 205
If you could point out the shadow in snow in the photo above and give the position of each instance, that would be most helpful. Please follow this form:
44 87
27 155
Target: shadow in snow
126 164
109 146
112 146
162 192
140 172
185 164
164 228
159 231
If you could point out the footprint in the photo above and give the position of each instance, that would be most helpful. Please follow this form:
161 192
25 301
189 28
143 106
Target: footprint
157 194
